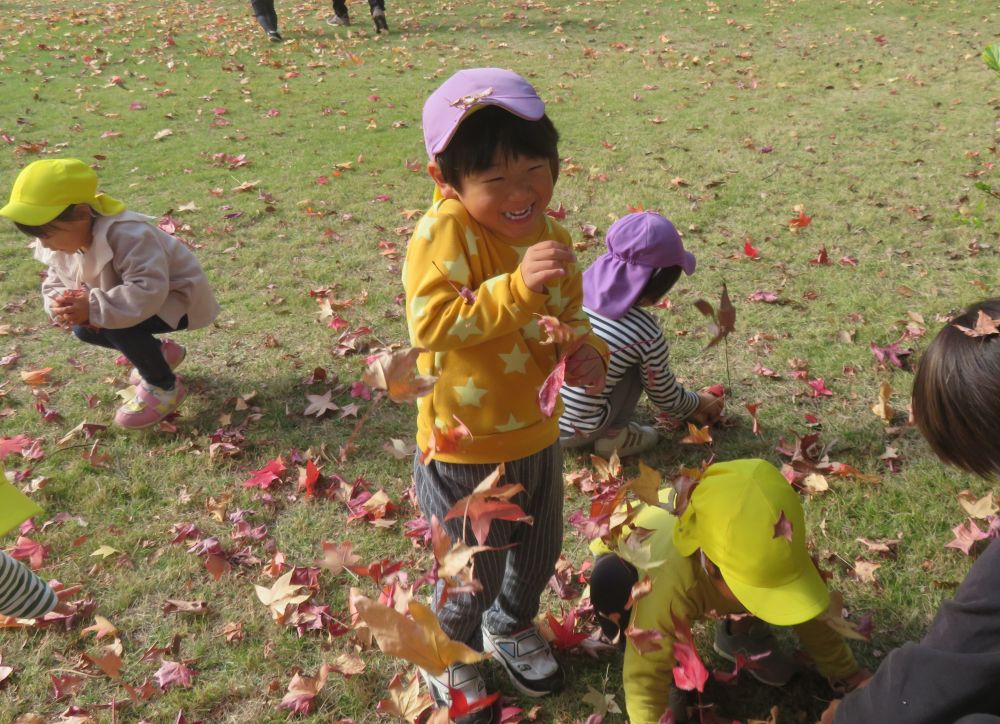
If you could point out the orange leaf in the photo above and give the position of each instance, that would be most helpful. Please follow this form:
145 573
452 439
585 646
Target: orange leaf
396 372
36 377
697 436
418 640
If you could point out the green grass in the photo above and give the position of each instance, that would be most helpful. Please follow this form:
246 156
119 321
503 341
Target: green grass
875 115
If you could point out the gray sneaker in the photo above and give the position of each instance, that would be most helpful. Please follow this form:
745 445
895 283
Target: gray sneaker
774 669
343 20
464 678
528 659
378 17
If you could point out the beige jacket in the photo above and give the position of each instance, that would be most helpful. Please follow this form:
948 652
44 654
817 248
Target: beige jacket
133 271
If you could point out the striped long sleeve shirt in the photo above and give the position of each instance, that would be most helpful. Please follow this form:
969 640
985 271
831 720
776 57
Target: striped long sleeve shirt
22 593
635 340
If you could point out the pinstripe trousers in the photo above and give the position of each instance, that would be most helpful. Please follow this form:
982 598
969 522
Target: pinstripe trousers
513 579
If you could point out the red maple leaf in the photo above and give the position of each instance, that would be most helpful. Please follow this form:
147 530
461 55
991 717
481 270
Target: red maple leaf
548 393
26 549
689 673
750 250
267 475
487 503
819 388
566 637
801 221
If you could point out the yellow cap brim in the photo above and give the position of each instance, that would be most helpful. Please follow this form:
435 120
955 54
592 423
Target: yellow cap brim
31 214
801 599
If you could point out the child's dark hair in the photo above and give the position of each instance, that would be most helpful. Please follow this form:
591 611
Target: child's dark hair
43 230
491 130
956 394
659 283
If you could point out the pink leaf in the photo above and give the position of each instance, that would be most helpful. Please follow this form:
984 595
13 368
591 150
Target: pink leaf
174 673
548 394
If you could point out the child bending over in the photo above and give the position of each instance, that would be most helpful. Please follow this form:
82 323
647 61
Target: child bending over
739 546
644 260
113 277
483 263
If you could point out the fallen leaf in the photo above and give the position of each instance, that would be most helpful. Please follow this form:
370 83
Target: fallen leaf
302 690
280 596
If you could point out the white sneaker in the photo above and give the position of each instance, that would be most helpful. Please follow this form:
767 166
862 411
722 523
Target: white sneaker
466 679
634 439
528 660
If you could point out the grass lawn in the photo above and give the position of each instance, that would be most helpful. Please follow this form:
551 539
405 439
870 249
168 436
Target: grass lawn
295 170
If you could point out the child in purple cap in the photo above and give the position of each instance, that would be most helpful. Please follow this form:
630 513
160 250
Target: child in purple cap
484 264
644 260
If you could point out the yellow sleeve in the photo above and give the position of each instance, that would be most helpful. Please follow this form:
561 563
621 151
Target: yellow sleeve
648 677
437 268
828 649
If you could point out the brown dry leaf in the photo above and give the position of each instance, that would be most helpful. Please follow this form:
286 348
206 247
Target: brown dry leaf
281 595
815 483
982 508
396 372
101 628
176 605
865 570
338 556
348 664
405 699
882 409
110 663
647 485
418 640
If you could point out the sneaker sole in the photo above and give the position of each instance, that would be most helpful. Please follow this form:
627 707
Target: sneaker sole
515 677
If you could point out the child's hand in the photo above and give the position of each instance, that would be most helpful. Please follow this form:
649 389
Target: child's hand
545 262
585 368
709 409
72 307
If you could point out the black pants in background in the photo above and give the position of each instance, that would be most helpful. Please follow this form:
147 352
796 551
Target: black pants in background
266 14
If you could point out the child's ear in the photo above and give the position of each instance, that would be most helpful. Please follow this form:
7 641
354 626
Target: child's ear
82 211
446 190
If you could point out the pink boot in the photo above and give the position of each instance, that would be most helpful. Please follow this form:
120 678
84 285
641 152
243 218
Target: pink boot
172 352
150 405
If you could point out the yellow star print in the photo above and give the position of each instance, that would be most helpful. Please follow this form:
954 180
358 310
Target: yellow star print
471 241
512 424
531 330
418 306
465 327
514 360
424 227
458 270
469 394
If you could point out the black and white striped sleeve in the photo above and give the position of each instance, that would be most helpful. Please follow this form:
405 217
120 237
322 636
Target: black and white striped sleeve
22 593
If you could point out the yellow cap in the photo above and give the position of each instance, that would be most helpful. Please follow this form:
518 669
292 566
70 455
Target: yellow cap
740 515
15 506
45 188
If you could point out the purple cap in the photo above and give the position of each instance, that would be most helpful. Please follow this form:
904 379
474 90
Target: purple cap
473 88
638 245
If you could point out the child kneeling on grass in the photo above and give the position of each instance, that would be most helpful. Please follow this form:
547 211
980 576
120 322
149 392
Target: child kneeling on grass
739 546
483 263
644 260
951 675
114 277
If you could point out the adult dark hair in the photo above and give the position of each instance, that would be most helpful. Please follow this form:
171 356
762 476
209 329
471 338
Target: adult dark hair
490 132
43 230
956 393
659 283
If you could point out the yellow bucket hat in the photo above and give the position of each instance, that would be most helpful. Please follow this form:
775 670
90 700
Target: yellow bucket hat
741 515
15 506
45 188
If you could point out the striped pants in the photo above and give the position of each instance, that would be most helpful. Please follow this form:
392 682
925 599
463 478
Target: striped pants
513 579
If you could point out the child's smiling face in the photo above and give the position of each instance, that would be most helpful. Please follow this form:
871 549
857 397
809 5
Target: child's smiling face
509 197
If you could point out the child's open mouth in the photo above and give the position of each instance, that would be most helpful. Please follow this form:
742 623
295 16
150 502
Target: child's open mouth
519 215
